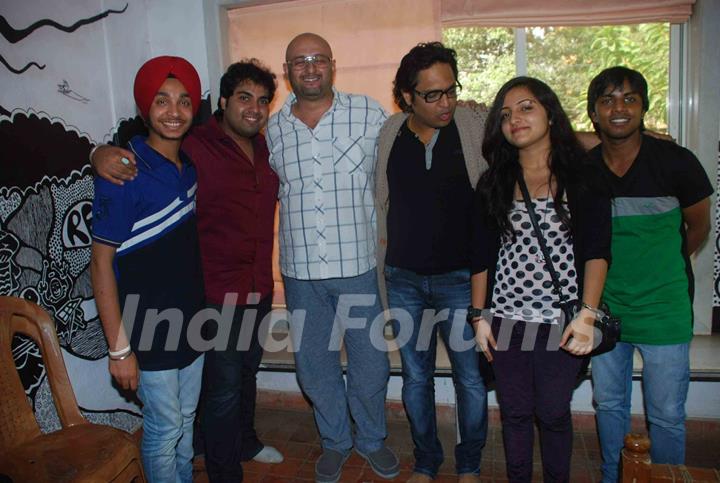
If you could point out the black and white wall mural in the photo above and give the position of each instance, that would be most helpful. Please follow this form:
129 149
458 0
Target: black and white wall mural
45 215
67 70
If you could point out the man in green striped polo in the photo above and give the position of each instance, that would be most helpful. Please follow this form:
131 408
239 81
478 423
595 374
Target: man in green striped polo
661 215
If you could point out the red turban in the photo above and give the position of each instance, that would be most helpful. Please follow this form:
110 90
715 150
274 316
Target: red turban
154 72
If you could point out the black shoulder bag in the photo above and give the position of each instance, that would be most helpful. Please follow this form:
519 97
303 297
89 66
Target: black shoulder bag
605 322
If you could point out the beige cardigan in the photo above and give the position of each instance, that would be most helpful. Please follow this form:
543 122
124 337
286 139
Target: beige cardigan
471 127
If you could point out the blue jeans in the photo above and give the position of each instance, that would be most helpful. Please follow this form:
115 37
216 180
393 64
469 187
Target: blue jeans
665 381
324 314
443 295
169 400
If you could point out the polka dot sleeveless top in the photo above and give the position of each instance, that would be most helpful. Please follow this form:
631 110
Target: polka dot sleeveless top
523 286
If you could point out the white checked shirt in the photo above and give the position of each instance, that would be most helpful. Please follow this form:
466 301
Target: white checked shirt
327 207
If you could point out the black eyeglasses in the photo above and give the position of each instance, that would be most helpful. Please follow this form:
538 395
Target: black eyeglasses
299 63
435 95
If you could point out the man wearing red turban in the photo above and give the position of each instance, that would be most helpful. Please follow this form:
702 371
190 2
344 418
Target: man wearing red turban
155 72
145 247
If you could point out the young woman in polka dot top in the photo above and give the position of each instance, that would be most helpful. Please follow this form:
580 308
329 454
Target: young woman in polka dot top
535 354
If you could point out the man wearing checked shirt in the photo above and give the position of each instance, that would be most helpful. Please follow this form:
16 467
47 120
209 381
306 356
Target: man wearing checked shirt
322 145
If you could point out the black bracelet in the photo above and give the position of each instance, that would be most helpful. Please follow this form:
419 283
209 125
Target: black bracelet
473 313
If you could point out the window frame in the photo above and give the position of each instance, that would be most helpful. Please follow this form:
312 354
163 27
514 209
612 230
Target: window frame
677 71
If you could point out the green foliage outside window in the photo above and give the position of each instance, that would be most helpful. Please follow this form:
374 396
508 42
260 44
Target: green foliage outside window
486 59
566 58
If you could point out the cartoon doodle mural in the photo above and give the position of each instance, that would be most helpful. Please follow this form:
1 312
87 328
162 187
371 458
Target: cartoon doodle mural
22 69
64 89
9 269
14 35
45 243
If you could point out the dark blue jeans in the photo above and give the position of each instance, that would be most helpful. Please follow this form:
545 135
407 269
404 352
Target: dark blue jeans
425 305
534 381
228 398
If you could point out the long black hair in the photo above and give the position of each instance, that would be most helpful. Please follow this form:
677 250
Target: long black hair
497 185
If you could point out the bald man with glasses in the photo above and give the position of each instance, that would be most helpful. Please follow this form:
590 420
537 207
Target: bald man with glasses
322 146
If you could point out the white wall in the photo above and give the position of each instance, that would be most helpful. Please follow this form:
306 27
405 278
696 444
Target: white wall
98 60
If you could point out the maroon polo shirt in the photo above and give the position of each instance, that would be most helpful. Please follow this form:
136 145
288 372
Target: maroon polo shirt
235 211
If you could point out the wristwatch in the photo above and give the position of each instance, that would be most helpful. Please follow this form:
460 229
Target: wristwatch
473 313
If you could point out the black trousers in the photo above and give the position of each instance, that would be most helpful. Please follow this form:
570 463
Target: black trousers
229 390
535 380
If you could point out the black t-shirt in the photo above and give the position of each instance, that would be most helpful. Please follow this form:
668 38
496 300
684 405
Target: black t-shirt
429 214
167 277
662 168
650 283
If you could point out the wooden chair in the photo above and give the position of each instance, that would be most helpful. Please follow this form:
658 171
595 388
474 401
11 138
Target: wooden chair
637 467
80 451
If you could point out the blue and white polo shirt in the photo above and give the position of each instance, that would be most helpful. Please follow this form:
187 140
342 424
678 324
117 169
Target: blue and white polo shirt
151 222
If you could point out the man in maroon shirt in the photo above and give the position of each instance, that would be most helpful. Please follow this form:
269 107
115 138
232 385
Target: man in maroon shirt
237 192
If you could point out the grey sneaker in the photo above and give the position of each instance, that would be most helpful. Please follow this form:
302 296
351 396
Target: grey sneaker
383 462
329 466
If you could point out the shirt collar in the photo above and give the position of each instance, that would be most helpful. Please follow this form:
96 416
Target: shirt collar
405 129
148 156
340 101
215 131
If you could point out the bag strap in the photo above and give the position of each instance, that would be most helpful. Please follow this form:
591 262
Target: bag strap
541 241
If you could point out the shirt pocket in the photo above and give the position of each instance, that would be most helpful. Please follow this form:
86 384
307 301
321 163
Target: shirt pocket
350 155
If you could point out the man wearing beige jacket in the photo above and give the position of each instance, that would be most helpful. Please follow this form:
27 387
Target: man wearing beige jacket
429 161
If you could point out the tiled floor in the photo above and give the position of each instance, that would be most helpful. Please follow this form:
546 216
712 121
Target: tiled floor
293 432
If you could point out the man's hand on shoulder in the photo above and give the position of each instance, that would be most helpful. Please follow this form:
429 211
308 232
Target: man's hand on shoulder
659 135
474 105
114 164
587 139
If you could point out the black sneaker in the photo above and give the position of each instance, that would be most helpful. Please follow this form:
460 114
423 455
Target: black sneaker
329 466
383 462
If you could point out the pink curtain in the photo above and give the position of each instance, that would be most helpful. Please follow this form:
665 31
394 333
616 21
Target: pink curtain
526 13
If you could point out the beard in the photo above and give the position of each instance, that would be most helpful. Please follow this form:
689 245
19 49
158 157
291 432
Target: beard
303 91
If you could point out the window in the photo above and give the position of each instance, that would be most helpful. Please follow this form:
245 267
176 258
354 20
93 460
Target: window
566 58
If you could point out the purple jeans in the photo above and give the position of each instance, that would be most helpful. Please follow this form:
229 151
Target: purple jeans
534 379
